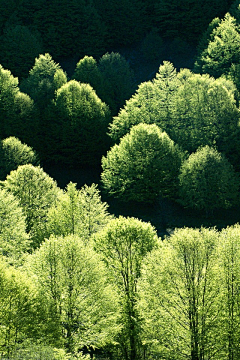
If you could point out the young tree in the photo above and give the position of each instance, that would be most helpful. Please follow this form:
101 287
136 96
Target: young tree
14 153
80 125
144 165
14 241
208 181
82 307
181 294
123 244
78 212
36 192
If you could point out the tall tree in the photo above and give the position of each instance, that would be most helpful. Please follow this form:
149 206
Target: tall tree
230 271
123 244
82 307
181 293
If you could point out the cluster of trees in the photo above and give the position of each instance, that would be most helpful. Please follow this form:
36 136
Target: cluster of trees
75 281
108 287
78 27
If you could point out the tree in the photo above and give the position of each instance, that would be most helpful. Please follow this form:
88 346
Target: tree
78 212
36 192
8 91
16 108
143 166
205 113
87 71
14 153
230 276
117 80
123 244
80 125
181 294
20 309
208 181
45 77
151 104
82 307
222 49
14 241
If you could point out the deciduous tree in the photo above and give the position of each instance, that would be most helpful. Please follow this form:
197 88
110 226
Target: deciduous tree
208 181
123 244
144 165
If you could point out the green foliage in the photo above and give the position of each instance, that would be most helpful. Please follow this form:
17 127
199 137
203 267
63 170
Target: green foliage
36 192
152 103
82 307
14 153
188 18
8 91
19 47
229 255
181 294
20 309
205 113
118 80
45 77
80 125
144 165
124 20
14 241
222 49
87 71
208 181
78 212
123 244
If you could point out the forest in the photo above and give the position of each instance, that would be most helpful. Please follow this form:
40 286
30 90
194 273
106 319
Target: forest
143 263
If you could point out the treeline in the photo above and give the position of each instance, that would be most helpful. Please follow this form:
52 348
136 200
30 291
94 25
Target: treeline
70 28
78 283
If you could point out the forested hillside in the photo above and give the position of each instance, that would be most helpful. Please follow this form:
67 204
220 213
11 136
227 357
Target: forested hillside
100 87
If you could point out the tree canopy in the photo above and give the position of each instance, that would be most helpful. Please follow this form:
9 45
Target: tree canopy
144 165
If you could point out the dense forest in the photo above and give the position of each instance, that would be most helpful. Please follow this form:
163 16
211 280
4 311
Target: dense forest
143 263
